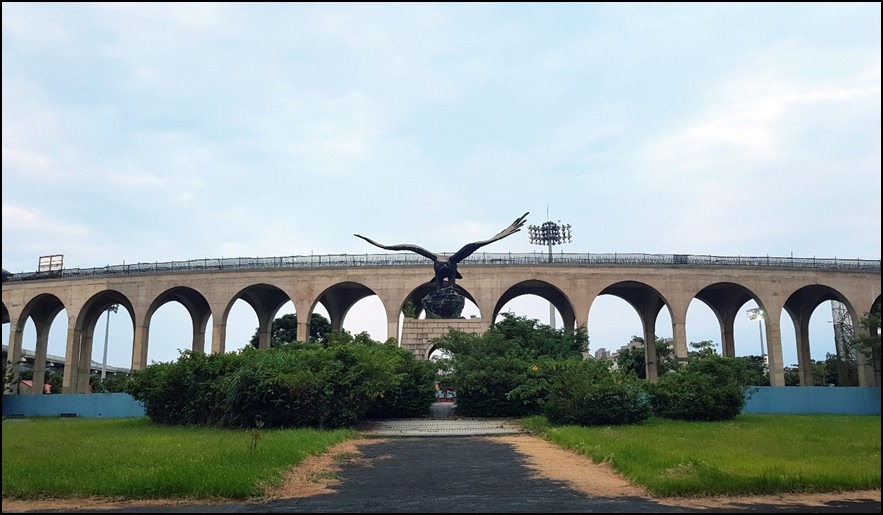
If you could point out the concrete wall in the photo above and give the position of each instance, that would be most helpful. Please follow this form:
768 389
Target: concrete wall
859 400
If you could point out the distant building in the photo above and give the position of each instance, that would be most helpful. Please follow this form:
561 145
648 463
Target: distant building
602 354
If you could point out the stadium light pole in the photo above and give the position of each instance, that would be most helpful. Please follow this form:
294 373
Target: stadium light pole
549 234
114 308
757 314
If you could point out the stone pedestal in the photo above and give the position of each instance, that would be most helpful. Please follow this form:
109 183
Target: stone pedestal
417 334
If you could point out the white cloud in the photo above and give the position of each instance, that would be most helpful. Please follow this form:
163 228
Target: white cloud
750 121
25 159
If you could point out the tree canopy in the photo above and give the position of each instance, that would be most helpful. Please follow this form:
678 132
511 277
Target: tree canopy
284 330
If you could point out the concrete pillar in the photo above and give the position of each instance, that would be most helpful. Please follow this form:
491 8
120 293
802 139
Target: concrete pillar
200 321
774 349
804 357
651 367
582 321
40 357
13 356
303 328
84 363
140 343
71 358
265 328
648 312
219 335
678 307
728 340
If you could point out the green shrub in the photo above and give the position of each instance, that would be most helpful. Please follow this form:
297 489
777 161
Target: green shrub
589 393
485 369
191 390
494 374
289 386
708 388
412 392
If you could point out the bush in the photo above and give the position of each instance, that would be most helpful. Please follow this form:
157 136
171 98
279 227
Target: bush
709 388
411 394
289 386
589 393
484 370
190 391
494 374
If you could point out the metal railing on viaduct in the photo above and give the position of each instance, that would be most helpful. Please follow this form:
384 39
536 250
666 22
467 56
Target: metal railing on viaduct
532 258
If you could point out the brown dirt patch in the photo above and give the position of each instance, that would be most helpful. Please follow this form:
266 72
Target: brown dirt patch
316 474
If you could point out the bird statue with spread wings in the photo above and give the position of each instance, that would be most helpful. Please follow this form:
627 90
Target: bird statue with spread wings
446 266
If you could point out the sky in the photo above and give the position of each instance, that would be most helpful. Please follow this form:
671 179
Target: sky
145 132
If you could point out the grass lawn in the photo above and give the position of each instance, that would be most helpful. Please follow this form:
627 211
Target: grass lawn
752 454
135 459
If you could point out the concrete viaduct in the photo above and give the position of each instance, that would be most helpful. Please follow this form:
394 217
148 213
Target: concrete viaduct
207 288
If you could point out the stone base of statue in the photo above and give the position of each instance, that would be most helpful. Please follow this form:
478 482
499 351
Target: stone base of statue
418 335
445 302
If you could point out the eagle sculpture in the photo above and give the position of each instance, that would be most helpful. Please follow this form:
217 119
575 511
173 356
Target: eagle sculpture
446 266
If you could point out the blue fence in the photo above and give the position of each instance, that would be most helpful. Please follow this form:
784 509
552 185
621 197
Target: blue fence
855 400
92 405
858 400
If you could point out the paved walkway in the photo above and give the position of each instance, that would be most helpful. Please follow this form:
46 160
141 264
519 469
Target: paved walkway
442 423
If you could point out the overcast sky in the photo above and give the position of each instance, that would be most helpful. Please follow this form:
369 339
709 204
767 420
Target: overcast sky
160 132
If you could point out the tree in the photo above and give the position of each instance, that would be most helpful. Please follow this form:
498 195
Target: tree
632 360
409 310
7 376
870 345
704 349
284 330
758 372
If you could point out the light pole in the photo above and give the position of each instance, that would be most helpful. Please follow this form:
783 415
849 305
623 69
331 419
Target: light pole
114 308
757 314
550 233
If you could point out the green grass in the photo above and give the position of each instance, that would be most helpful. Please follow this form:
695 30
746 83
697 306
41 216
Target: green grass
750 455
135 459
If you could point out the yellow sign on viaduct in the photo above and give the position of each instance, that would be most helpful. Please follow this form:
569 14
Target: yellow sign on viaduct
648 282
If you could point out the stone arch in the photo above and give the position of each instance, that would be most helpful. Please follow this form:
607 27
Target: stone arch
42 310
266 300
647 302
800 306
78 362
339 298
543 289
195 304
724 299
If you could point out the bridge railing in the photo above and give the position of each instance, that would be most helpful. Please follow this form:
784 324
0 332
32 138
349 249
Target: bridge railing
483 258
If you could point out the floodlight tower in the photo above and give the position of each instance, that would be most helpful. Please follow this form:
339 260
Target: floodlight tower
550 233
757 314
111 308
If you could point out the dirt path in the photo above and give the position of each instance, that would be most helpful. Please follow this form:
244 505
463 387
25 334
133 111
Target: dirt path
317 474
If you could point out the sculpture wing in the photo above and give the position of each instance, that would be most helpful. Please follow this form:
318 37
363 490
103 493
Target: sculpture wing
469 248
404 246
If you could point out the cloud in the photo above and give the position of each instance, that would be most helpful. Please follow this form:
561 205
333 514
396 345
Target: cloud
751 120
26 159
